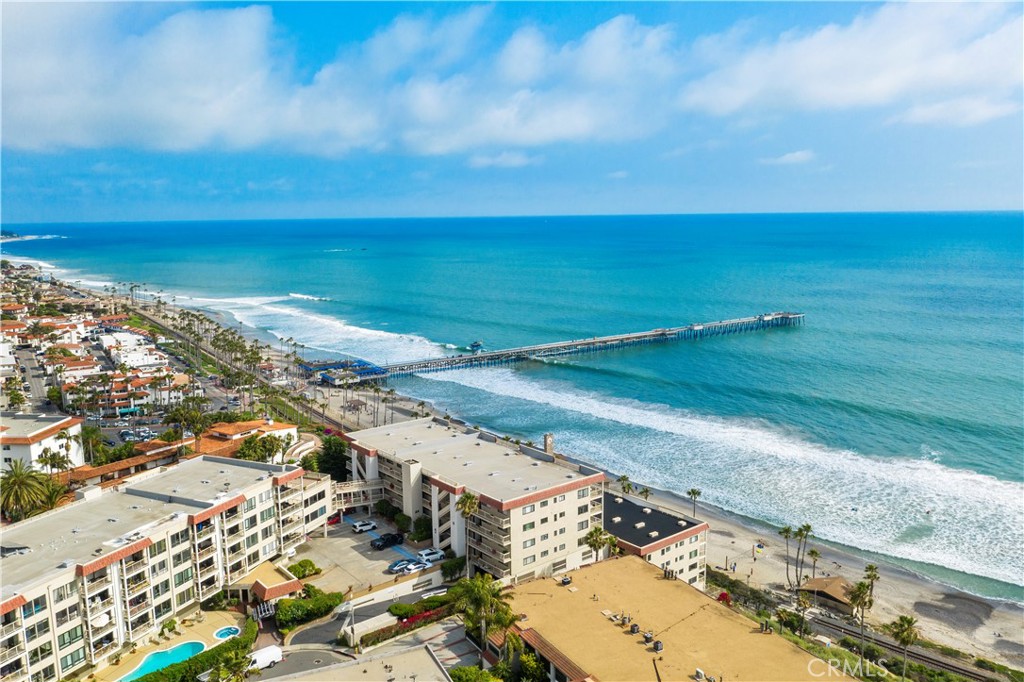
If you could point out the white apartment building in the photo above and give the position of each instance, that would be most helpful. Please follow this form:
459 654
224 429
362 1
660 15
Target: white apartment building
534 508
671 541
27 436
85 580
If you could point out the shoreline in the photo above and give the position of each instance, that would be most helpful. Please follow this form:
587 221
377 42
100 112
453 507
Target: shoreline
947 614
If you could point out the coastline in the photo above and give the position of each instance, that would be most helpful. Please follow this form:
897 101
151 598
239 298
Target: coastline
947 614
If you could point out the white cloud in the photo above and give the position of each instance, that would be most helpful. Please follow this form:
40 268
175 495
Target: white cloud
618 175
790 159
903 55
504 160
966 111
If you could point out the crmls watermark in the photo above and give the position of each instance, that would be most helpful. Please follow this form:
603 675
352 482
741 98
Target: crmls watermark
837 668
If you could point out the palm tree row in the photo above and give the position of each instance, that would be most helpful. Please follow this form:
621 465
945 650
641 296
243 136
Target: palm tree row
802 535
25 492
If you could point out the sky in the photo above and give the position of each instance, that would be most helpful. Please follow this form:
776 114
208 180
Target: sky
190 111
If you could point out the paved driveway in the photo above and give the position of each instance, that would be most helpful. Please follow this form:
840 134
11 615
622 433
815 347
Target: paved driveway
302 661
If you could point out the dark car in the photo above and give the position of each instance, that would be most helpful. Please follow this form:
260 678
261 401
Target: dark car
387 540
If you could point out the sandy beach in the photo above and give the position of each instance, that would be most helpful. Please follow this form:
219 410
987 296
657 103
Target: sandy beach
983 627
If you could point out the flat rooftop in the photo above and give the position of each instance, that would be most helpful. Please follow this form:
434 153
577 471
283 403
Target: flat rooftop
416 663
14 425
630 513
696 631
466 457
89 529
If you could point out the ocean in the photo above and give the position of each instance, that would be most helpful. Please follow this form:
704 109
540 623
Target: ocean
892 420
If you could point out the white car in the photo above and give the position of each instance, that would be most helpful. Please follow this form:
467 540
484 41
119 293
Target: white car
416 567
430 555
363 526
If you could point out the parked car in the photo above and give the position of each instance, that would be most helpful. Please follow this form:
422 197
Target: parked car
267 657
398 566
387 540
363 526
416 567
430 555
334 519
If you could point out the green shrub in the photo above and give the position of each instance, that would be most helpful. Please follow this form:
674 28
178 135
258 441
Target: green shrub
304 568
386 633
403 523
190 669
386 509
451 569
431 603
316 604
402 611
471 674
421 529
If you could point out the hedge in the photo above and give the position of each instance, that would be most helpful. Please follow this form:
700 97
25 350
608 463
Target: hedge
402 611
411 623
451 569
421 529
292 612
190 669
403 522
304 568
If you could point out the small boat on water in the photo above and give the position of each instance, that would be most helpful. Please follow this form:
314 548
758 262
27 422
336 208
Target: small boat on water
476 346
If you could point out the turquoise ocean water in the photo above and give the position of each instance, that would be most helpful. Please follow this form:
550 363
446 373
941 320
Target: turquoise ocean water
892 421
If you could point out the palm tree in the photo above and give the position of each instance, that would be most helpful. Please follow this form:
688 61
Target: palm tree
484 603
235 666
871 575
645 492
904 631
815 555
467 505
22 489
802 604
787 532
625 484
860 600
53 493
597 539
802 535
693 494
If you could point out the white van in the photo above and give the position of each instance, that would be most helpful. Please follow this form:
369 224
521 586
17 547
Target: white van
267 657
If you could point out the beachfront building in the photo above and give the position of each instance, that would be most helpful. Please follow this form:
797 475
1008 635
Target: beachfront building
621 619
535 509
671 541
87 579
830 591
30 436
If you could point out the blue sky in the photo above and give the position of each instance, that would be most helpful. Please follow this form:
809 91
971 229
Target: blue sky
121 111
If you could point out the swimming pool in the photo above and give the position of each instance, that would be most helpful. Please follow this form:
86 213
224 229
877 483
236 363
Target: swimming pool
161 659
226 632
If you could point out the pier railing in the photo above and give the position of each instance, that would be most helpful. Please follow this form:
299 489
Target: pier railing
597 343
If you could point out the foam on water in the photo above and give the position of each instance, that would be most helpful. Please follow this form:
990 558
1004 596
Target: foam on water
307 297
877 504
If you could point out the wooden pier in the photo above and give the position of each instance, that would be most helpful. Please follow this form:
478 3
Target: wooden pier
598 343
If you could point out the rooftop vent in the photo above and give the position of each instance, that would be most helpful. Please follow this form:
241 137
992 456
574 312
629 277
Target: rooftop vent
494 473
535 464
653 534
67 563
570 476
205 482
477 444
98 551
76 530
112 520
682 522
616 519
223 471
639 524
647 510
134 506
619 500
466 464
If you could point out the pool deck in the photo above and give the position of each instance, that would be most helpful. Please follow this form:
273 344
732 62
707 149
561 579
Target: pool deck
196 632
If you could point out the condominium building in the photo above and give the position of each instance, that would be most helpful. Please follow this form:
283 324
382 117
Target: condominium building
28 436
85 580
669 540
534 508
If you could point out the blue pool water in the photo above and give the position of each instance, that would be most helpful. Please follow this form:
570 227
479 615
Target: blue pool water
161 659
226 632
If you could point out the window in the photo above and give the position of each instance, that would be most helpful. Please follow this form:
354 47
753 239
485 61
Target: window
183 577
47 673
561 548
184 598
163 609
65 591
693 554
543 503
582 509
252 540
181 557
694 538
157 548
692 567
250 504
582 492
33 607
67 615
582 525
267 532
40 652
529 559
528 509
270 548
544 553
161 588
267 514
317 513
179 537
526 526
38 630
560 498
529 543
158 568
692 580
72 659
543 537
250 522
266 495
66 639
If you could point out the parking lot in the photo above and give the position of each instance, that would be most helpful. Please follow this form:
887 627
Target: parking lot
347 560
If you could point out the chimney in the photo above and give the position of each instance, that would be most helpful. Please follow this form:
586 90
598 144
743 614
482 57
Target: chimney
549 443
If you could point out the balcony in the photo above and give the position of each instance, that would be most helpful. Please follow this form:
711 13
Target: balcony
138 586
209 569
205 552
133 567
103 650
290 526
207 590
20 675
234 531
12 652
9 628
286 493
291 510
291 541
94 584
206 532
100 632
236 552
139 608
95 607
140 625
